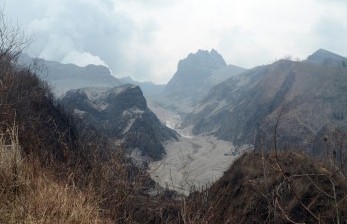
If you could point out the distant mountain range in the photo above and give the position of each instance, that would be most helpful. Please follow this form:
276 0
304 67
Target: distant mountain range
149 89
238 105
64 77
308 98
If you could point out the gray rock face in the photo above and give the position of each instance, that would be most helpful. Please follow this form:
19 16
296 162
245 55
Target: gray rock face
244 109
120 113
192 72
194 77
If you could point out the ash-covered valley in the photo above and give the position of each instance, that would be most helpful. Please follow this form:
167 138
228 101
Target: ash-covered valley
188 132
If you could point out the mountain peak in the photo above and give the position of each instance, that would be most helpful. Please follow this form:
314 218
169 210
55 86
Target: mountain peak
214 52
326 58
195 68
193 72
324 52
321 50
205 57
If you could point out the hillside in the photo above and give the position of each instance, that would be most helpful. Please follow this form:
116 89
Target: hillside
52 172
273 188
306 97
327 58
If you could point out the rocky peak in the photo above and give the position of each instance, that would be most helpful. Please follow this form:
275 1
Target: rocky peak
193 71
203 58
195 76
214 54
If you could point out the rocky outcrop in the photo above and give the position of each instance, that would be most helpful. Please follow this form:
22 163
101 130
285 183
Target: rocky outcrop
193 71
121 113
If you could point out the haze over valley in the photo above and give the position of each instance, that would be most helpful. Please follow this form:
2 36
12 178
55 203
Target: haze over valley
214 110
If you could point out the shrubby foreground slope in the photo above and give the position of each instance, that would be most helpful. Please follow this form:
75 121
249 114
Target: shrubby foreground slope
52 173
274 188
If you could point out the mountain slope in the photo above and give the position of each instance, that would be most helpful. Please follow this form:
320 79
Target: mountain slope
223 74
327 58
121 113
306 96
255 190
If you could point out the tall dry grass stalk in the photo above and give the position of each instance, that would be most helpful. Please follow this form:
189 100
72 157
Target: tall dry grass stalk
29 194
10 158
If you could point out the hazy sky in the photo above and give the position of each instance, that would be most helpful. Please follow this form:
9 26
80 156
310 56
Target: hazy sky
145 38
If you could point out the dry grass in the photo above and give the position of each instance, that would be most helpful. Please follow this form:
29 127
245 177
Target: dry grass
29 194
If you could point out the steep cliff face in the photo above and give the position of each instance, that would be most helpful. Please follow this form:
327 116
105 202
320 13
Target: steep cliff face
193 71
121 113
195 76
305 96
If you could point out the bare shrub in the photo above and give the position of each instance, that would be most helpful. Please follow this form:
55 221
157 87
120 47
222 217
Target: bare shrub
303 190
